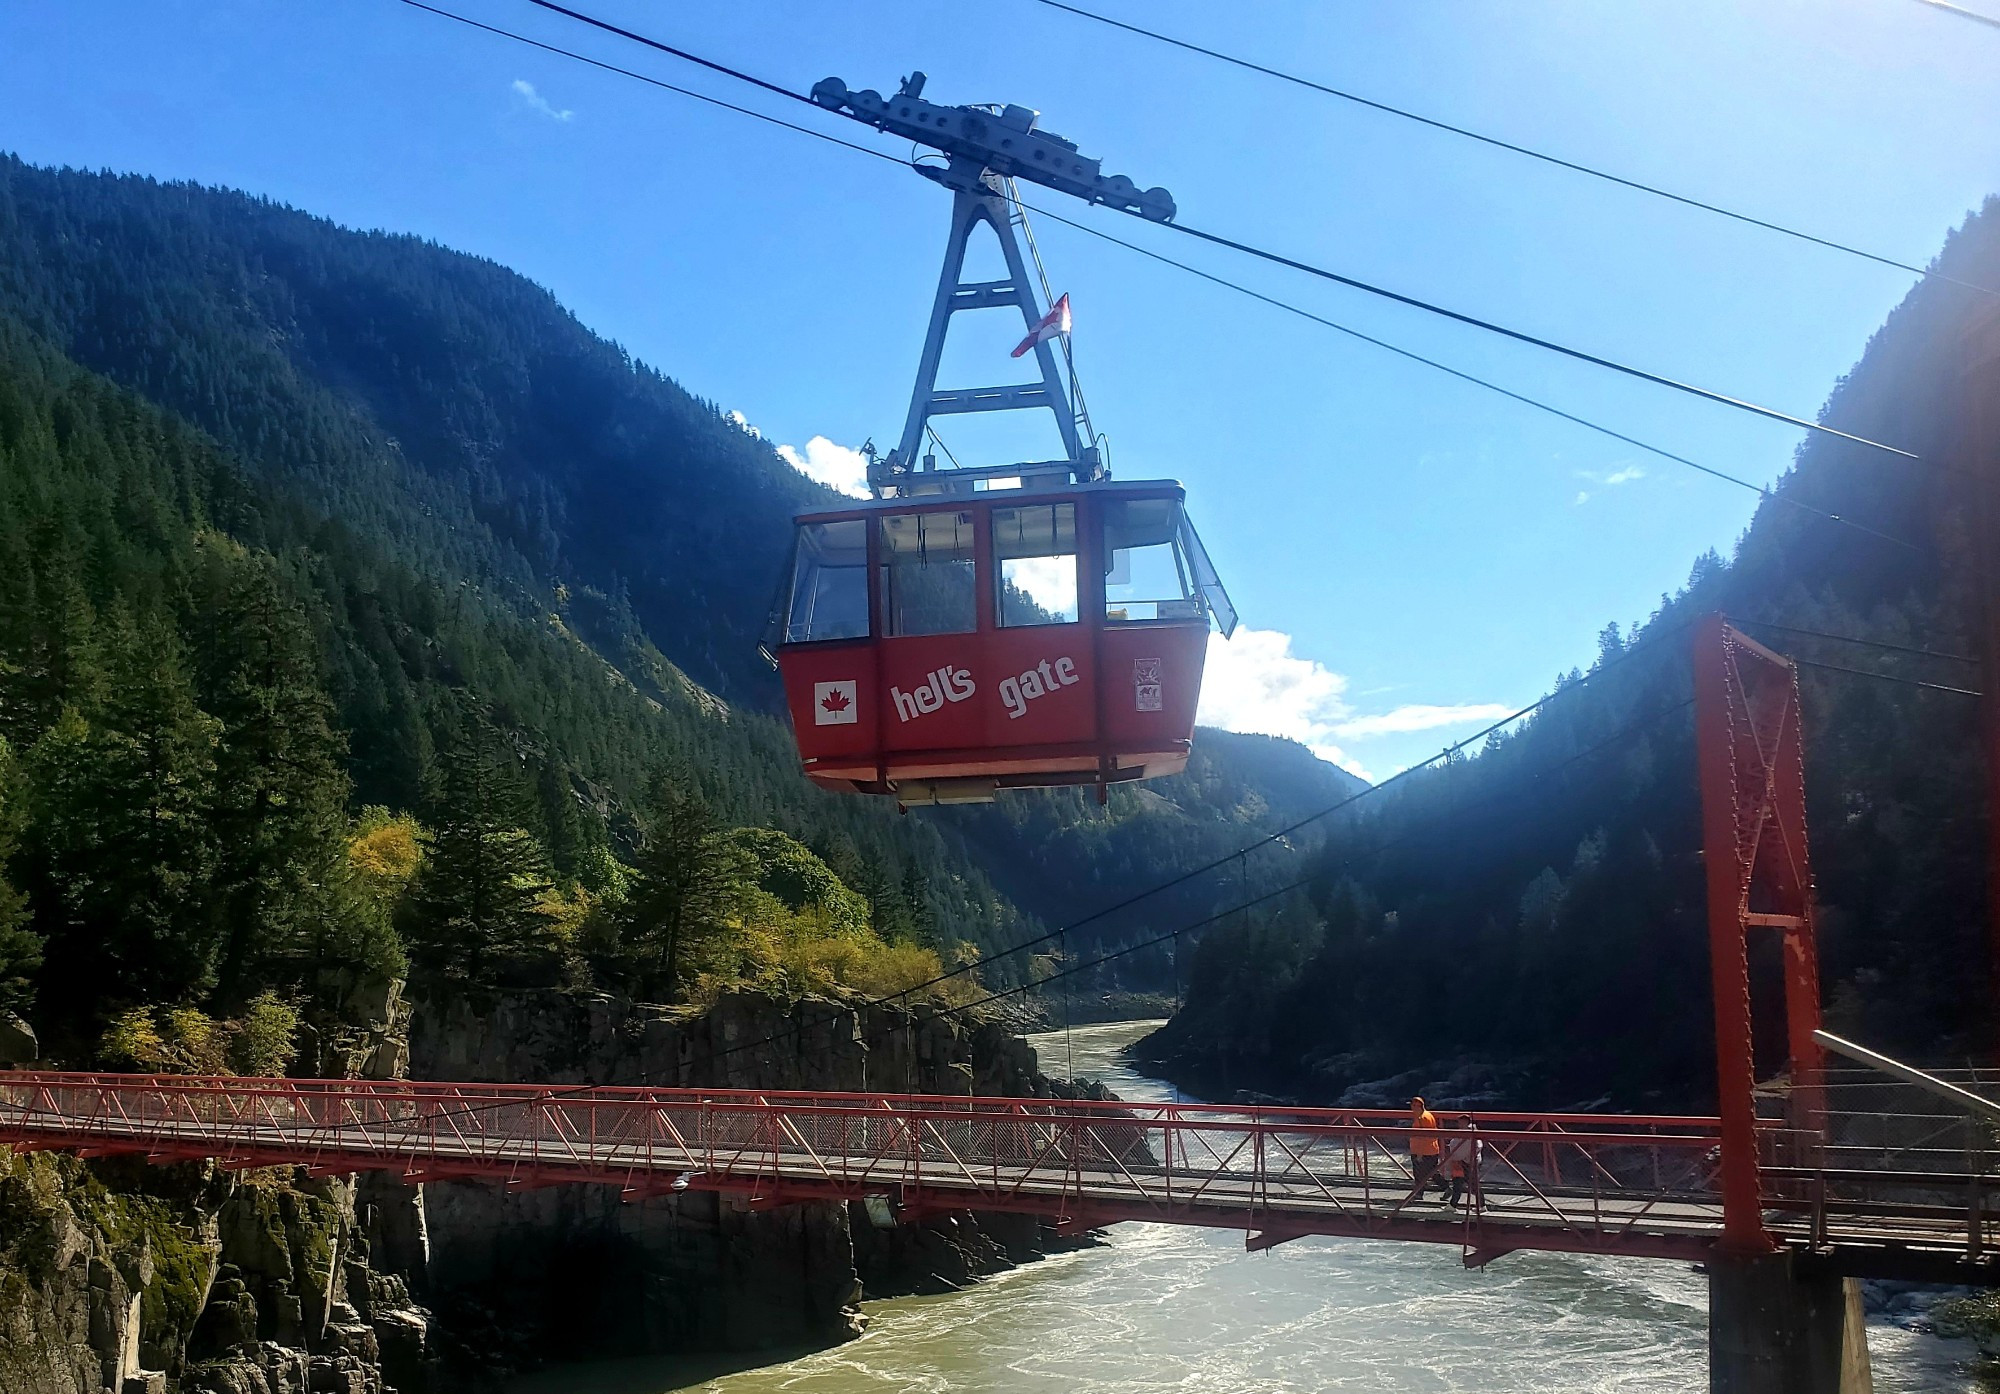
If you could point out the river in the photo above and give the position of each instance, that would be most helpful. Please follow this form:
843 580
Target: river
1163 1308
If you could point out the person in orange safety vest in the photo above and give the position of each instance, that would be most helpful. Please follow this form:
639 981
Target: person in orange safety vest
1424 1150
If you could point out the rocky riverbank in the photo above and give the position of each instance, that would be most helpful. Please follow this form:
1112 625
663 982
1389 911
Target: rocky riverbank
192 1279
116 1275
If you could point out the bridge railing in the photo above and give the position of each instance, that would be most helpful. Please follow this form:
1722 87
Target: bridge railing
1579 1178
1864 1157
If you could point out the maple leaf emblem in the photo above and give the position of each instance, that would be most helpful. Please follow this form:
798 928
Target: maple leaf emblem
834 703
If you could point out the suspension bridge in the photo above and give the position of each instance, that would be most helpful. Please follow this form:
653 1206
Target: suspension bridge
1646 1187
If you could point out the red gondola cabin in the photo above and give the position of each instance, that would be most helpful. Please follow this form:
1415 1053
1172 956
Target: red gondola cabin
937 647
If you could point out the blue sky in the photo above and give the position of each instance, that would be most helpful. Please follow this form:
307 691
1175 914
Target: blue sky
1409 552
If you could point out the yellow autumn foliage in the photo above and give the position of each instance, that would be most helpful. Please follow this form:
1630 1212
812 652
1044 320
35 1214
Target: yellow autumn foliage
385 851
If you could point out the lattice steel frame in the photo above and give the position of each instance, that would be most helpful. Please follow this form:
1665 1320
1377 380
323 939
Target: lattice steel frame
1753 815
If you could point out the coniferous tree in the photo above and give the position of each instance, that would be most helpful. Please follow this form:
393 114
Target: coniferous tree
888 911
567 835
20 946
121 847
688 879
475 908
281 789
919 921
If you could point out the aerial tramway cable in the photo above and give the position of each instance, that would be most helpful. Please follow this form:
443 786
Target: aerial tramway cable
1496 142
1061 933
1324 273
1211 277
1961 12
1184 877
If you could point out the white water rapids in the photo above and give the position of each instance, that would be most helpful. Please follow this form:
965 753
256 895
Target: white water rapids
1161 1309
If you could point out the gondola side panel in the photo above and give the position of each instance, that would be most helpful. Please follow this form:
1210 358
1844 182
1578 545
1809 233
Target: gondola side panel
831 692
995 691
1152 683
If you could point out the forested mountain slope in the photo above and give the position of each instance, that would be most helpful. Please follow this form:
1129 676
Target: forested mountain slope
1533 917
500 578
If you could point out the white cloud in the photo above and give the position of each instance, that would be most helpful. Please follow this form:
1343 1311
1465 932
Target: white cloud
1049 581
1610 479
535 101
1254 683
835 466
823 461
1418 716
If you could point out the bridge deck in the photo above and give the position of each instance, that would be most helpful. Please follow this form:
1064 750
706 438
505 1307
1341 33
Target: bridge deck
1642 1186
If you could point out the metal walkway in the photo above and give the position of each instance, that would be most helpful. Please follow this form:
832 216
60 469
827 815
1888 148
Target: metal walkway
1643 1186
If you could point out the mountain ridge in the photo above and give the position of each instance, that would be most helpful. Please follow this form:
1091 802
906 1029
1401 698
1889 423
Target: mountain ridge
428 414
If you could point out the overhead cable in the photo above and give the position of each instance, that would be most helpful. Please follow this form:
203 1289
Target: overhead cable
1784 498
1531 153
1324 273
1885 677
679 53
1975 16
651 81
1237 286
1851 639
1521 336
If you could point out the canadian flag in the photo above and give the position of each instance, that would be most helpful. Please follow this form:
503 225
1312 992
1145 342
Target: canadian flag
834 704
1055 322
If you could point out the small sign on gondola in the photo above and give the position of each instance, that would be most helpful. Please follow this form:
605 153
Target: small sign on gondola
834 704
1146 690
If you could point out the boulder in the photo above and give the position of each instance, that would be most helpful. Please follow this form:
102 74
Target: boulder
18 1045
374 1001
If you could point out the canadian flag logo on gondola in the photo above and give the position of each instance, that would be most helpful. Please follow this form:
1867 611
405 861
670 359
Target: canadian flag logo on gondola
834 704
1055 322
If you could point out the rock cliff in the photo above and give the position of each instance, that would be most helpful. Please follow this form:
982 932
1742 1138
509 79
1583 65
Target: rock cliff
138 1279
569 1270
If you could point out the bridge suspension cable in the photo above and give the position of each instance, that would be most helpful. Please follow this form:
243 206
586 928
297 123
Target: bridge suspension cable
1308 268
1882 644
1888 677
796 1032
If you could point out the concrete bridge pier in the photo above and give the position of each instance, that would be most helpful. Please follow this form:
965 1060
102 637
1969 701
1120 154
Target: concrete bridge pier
1774 1329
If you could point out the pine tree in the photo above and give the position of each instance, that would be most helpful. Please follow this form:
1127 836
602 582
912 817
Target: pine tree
281 789
688 880
888 911
919 921
567 832
121 850
20 946
475 911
